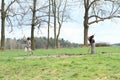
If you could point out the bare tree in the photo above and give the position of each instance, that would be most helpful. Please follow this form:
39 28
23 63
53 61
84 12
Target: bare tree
33 8
98 10
4 15
61 17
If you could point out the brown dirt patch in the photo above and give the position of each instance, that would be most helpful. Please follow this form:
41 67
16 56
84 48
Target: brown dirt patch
50 56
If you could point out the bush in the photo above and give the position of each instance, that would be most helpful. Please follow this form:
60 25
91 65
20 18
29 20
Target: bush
102 44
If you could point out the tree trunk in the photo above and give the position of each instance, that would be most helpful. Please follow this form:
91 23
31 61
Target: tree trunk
58 35
2 26
86 35
86 27
55 41
48 36
33 24
32 37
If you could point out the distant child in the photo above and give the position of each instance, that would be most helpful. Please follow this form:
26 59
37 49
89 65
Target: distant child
92 44
28 45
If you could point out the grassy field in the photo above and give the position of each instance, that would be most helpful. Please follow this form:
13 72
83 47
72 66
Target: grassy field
87 67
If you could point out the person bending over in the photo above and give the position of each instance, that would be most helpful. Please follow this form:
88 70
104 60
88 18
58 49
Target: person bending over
92 43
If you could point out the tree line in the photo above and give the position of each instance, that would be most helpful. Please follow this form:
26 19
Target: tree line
40 42
53 13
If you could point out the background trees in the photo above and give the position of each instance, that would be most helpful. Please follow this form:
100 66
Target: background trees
40 42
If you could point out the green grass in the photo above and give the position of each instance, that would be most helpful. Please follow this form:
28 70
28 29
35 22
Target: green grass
88 67
84 50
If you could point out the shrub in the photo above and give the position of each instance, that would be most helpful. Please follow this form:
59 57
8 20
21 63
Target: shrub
102 44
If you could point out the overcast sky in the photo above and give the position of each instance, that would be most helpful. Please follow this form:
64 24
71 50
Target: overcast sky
107 31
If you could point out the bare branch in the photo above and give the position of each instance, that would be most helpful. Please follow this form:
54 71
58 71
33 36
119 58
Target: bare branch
102 19
92 3
9 5
10 24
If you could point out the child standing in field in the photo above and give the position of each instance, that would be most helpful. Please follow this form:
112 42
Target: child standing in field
28 45
92 44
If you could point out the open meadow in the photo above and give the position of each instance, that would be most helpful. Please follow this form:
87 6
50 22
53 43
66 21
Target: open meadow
58 64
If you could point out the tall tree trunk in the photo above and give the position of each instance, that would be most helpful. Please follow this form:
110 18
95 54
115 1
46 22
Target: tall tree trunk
32 37
57 38
86 27
48 36
33 24
3 14
54 14
86 35
58 35
55 42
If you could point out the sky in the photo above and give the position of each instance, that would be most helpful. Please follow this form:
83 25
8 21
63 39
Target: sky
107 31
